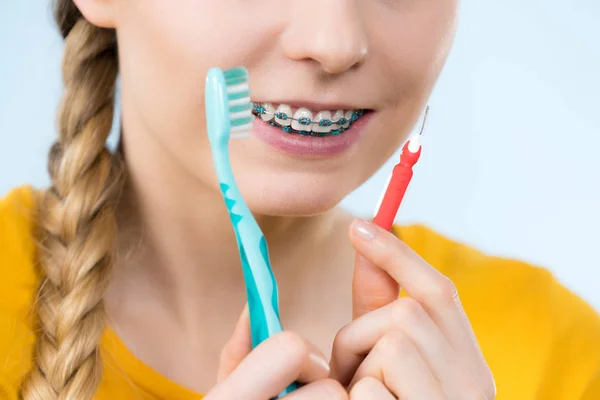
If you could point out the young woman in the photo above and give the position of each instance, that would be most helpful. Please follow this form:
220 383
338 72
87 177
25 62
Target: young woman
122 280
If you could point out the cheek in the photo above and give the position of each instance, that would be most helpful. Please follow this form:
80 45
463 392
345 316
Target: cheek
413 44
165 51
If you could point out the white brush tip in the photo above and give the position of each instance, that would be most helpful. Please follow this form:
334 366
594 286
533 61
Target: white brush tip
240 114
241 132
242 128
414 144
240 87
239 102
240 135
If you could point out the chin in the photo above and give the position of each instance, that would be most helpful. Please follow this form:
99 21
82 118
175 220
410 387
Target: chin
288 200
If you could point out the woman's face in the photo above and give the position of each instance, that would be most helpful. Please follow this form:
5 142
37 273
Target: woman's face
322 55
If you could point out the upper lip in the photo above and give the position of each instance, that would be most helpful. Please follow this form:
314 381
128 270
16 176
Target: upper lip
315 105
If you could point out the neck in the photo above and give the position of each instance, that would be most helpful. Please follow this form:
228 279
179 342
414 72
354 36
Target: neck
177 249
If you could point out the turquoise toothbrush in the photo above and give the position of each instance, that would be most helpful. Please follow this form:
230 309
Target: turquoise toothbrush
229 114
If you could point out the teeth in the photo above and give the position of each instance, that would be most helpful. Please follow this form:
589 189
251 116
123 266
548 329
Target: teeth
270 112
336 117
287 110
323 115
348 115
302 120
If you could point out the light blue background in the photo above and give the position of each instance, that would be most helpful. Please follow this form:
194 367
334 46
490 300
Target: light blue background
510 163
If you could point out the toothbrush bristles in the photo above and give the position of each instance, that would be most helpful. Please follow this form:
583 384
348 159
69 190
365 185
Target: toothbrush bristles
240 135
424 121
239 102
241 131
236 72
242 128
237 88
240 114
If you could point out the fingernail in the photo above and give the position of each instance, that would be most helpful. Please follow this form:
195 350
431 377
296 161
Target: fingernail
317 366
245 311
244 315
364 230
318 357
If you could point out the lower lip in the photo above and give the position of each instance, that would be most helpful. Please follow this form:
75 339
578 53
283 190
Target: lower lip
307 146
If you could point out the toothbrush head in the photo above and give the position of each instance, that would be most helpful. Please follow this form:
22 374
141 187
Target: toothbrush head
228 105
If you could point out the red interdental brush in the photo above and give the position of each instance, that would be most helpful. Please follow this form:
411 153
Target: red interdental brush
399 180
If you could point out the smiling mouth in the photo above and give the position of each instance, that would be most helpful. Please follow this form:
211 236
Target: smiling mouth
306 122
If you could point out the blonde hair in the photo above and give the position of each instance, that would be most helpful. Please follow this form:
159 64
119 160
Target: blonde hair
76 221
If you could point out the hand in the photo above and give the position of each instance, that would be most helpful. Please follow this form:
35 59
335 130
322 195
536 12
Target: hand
419 347
264 372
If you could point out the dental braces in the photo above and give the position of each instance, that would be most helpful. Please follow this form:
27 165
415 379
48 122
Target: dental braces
258 110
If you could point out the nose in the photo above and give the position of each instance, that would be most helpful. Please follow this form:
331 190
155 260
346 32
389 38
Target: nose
329 32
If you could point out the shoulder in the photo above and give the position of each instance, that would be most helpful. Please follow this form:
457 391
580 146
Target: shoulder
496 281
527 323
17 241
18 283
473 270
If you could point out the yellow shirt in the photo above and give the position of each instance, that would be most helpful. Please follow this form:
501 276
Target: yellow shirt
540 340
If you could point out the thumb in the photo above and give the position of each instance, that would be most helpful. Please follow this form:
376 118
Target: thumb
237 348
372 287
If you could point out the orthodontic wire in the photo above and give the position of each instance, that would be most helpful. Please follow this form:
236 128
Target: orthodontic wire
263 111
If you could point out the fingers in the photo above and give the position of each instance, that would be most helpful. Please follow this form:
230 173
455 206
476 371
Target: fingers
325 389
396 362
370 388
421 281
357 338
407 326
270 368
238 346
315 367
431 289
434 291
372 287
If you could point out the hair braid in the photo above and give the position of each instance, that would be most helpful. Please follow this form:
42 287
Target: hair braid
76 219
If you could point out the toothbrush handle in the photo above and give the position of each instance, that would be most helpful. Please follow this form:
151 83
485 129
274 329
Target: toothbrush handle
261 286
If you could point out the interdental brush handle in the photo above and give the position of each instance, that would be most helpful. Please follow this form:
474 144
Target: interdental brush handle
401 176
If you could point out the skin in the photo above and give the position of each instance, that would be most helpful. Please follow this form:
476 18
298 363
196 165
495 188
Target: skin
175 241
